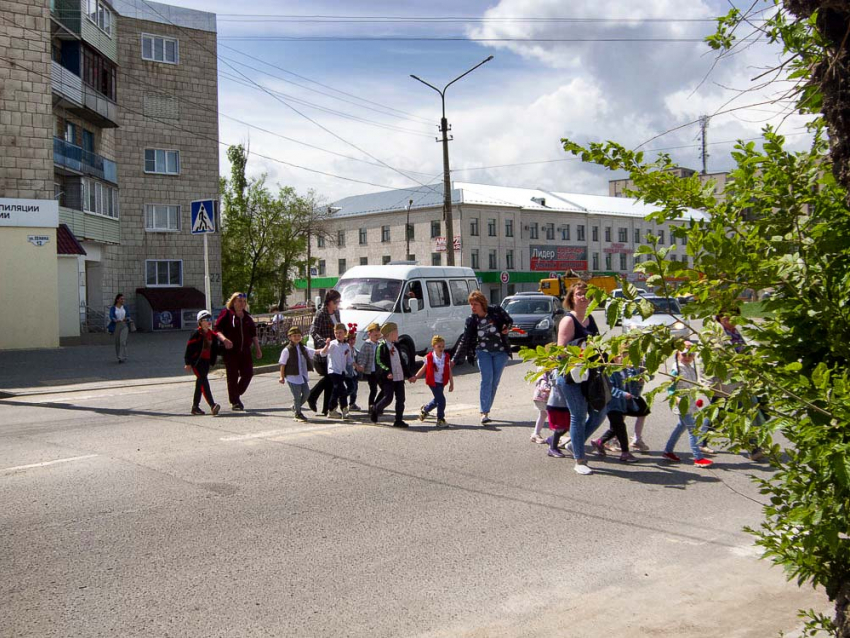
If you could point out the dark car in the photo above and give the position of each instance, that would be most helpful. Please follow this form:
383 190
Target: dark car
536 317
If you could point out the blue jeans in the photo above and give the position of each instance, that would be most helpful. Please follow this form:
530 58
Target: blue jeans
491 365
300 392
686 422
439 400
583 420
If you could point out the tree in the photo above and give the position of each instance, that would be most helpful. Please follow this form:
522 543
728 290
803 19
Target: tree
795 240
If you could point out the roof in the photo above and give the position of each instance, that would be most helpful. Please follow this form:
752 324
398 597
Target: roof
67 243
161 299
527 199
407 271
166 14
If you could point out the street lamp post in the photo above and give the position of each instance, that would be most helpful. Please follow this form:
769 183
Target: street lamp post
447 187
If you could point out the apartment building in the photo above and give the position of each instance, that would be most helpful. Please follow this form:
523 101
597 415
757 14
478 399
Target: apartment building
109 127
511 237
618 187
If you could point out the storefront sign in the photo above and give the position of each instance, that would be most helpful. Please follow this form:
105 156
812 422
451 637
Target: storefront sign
440 244
617 248
560 258
29 213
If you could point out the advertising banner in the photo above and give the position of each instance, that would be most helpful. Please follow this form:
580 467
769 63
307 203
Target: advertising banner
558 258
166 320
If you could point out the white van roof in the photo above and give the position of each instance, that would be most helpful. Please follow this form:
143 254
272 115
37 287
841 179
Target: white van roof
407 271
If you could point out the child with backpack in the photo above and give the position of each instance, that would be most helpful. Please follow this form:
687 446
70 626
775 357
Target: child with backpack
201 353
686 370
542 389
437 371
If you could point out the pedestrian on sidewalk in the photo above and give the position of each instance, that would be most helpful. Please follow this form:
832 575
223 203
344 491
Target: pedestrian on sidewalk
322 331
365 362
437 371
486 333
201 354
394 372
686 371
296 362
236 323
119 326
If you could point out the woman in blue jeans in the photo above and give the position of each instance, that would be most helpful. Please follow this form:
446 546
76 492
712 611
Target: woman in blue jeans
486 330
573 330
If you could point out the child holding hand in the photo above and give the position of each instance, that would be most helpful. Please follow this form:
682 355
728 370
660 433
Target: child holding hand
201 353
437 371
339 356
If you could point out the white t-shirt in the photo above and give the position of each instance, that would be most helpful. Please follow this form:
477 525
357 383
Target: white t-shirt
120 313
301 377
339 356
439 366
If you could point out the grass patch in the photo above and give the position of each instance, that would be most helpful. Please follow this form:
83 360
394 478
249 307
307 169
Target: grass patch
271 354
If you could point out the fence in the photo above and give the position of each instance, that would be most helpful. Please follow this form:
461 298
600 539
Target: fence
271 332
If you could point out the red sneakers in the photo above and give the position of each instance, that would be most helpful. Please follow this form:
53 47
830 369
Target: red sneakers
703 463
671 457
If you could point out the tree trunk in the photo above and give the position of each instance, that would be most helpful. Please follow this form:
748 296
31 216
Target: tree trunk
842 611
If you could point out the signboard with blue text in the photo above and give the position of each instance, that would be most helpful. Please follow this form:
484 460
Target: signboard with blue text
203 216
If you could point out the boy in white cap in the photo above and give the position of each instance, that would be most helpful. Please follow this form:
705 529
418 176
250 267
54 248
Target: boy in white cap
393 372
201 353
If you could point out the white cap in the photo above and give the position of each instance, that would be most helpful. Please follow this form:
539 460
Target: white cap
204 314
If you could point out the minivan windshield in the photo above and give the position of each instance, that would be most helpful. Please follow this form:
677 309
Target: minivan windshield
368 293
664 305
528 306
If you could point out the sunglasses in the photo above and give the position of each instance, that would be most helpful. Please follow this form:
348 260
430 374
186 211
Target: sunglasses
242 295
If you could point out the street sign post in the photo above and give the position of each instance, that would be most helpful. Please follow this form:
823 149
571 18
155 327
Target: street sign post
203 223
505 277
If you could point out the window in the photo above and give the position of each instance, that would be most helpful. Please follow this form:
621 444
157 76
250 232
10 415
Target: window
607 261
607 233
491 227
623 235
595 261
493 260
494 296
160 218
435 228
565 233
99 198
88 141
474 259
684 239
672 238
509 260
362 235
473 227
411 257
342 267
159 49
660 235
623 261
533 231
579 232
460 292
364 261
509 228
70 132
340 238
161 161
436 260
101 16
511 289
594 233
99 73
320 241
385 234
322 268
438 294
385 259
410 231
165 272
637 236
550 231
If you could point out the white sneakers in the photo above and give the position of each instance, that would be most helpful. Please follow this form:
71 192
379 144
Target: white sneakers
580 468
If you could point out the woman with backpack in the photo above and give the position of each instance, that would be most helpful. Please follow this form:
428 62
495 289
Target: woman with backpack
574 330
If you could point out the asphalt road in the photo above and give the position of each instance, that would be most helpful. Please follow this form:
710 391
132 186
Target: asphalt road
123 516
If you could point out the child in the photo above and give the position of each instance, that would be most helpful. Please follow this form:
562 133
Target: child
686 370
621 401
437 370
393 371
542 389
296 362
366 361
559 418
201 353
339 356
635 387
351 371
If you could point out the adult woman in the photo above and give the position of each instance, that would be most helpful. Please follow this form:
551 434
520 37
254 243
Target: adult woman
574 328
236 324
486 331
119 325
321 332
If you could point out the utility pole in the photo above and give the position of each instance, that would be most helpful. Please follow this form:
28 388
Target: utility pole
407 230
447 184
309 232
703 125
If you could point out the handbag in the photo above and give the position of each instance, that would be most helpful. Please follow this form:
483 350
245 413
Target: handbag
642 408
132 325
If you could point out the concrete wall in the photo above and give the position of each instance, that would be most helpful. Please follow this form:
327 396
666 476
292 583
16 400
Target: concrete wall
69 296
29 284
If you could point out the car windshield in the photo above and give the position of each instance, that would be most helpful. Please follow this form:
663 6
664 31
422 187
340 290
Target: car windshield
368 293
527 306
664 306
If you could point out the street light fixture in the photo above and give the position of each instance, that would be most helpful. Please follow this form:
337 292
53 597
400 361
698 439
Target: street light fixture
447 187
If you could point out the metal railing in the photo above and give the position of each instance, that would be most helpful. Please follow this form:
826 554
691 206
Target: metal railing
67 83
76 159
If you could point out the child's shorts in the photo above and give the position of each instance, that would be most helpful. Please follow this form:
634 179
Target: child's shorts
559 419
541 406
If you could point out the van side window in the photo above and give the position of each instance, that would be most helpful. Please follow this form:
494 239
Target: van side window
413 291
460 291
438 294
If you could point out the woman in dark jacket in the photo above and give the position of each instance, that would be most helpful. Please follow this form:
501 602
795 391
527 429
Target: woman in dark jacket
321 332
486 332
236 324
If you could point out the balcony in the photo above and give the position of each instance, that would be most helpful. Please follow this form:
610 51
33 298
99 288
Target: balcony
74 159
67 87
85 224
66 16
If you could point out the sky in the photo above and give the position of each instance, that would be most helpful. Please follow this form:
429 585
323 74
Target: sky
354 116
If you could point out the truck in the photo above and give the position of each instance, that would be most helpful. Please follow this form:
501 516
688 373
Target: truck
558 286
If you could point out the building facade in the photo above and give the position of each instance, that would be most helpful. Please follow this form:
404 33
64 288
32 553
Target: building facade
618 187
511 237
109 114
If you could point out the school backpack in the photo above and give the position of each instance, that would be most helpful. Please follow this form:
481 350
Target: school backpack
597 389
542 388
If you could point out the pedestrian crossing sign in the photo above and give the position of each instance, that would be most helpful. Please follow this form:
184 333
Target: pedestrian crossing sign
203 216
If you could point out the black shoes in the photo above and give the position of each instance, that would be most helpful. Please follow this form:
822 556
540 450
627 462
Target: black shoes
237 407
196 411
401 424
311 403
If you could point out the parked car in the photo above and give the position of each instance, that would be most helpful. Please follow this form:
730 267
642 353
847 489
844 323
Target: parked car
536 317
667 312
617 293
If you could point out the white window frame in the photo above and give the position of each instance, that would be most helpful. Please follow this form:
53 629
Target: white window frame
153 38
165 285
103 18
105 198
165 158
150 218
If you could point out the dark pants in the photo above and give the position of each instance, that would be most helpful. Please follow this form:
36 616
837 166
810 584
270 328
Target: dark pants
439 400
390 389
324 387
240 369
351 388
339 394
372 380
617 427
202 383
556 438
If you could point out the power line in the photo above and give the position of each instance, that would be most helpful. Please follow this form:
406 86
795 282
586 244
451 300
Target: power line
458 38
251 17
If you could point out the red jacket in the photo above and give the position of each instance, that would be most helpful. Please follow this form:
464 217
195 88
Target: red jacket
429 369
